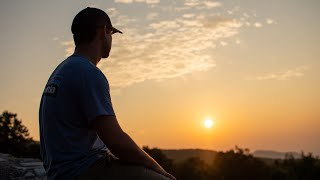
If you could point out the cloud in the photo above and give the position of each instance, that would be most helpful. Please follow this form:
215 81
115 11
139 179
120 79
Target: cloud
246 15
223 43
215 22
180 9
270 21
188 15
123 1
69 47
152 15
167 46
138 1
258 25
191 3
210 4
122 20
152 1
202 4
112 12
289 74
165 25
172 48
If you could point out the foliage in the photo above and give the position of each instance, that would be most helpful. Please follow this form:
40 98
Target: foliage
192 168
239 164
15 138
307 167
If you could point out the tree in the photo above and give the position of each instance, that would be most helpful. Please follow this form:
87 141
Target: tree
306 167
14 136
238 164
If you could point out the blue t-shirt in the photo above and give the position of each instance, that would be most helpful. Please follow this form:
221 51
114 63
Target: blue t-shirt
76 93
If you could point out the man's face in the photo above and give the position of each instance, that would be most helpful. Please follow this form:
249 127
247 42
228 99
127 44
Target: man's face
107 43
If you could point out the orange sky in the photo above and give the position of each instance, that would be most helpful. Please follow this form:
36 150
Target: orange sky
251 66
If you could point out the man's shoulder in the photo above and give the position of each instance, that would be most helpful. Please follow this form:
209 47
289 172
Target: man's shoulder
75 67
79 69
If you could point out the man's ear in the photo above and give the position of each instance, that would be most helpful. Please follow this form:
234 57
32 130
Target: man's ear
102 33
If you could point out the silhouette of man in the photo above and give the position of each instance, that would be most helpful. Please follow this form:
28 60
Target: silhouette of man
77 122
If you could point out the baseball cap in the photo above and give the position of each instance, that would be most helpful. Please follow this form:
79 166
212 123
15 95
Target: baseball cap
89 19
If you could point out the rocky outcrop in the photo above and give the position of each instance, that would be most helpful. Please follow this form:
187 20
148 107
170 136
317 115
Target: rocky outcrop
21 168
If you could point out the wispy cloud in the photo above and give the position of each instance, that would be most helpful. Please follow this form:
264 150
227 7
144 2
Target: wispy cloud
258 24
188 15
202 4
138 1
281 76
152 1
223 43
152 16
55 38
123 1
191 2
163 48
212 4
69 47
171 49
270 21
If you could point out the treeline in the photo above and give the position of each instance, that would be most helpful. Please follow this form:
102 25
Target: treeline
15 138
235 164
239 164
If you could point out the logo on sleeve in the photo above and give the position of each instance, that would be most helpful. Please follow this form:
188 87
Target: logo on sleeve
51 90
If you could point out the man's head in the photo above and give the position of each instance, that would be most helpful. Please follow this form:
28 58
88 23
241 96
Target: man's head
92 25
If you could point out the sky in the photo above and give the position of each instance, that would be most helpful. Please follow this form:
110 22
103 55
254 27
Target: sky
251 66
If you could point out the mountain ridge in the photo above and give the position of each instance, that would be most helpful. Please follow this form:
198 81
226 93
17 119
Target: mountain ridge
208 156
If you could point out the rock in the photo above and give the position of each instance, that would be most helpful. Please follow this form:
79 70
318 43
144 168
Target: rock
5 155
40 172
29 174
31 164
41 178
21 168
29 160
8 171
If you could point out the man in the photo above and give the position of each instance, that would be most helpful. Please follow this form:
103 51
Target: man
78 125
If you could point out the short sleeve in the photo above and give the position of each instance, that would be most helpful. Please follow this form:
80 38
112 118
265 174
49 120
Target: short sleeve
95 97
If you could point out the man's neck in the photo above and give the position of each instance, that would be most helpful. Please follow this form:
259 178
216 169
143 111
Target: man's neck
89 53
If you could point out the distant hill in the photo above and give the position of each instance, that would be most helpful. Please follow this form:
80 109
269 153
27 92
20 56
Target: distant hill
208 156
274 154
183 154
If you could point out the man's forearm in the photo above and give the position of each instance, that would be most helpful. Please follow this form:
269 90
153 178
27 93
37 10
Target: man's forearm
122 146
128 150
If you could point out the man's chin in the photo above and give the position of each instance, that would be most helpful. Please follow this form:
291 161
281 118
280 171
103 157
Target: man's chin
105 56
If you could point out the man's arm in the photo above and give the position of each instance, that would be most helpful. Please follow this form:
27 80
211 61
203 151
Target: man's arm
122 146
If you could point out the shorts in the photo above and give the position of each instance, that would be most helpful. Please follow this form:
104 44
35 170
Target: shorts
114 169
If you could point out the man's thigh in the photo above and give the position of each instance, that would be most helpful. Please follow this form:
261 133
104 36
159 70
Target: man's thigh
116 169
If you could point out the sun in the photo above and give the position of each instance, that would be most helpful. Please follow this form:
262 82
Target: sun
208 123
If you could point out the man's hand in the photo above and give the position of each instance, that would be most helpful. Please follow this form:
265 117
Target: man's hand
163 172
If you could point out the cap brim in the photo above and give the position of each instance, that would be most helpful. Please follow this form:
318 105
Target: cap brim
115 30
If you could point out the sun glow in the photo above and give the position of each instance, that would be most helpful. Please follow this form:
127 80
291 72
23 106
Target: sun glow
208 123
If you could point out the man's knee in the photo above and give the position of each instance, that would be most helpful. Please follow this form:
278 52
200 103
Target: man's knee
150 174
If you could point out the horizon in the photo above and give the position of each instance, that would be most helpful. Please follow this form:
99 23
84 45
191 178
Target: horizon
250 68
